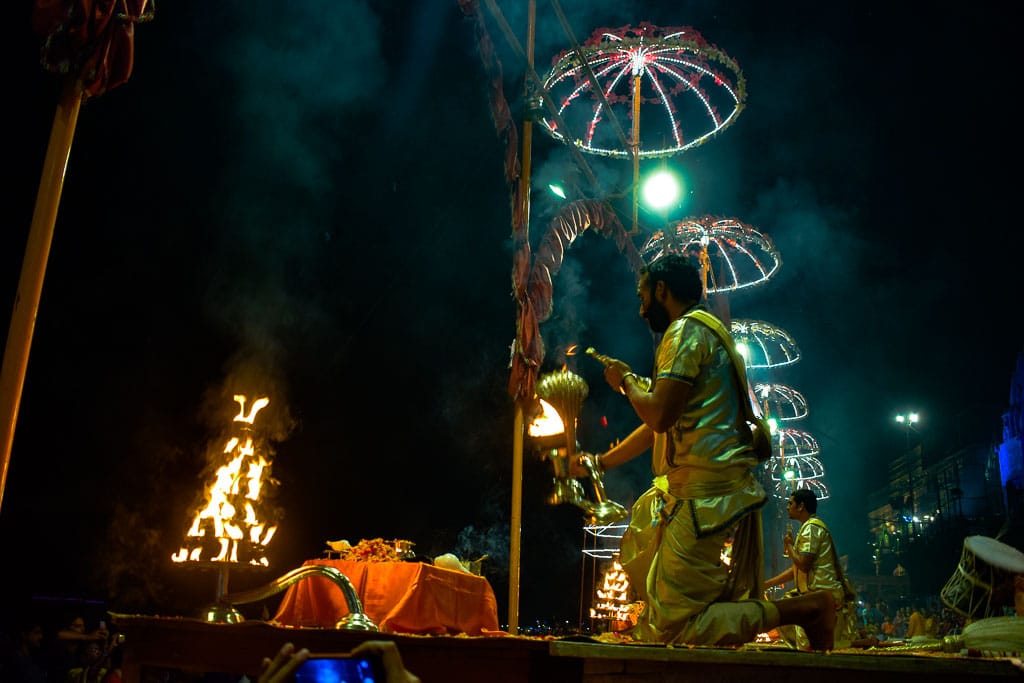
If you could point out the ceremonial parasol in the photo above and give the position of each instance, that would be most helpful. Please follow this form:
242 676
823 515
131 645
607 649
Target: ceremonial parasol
797 465
780 402
732 254
91 43
763 345
677 89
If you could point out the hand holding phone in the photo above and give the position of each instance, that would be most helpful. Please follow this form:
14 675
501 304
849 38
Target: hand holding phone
387 651
372 660
346 667
283 665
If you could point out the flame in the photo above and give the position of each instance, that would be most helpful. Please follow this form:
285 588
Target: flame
570 351
548 423
230 511
257 405
613 596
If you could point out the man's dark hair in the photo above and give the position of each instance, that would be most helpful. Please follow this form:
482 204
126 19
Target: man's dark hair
807 497
679 274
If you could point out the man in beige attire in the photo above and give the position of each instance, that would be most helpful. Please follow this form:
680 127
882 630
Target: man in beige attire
815 567
705 493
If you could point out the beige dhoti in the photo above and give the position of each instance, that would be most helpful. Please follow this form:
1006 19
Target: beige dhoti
673 555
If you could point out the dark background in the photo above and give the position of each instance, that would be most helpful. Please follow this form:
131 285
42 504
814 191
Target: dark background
308 202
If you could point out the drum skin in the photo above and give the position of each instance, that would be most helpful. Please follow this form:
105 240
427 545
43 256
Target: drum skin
983 583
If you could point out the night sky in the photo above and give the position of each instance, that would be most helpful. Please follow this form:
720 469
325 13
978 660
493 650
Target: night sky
308 202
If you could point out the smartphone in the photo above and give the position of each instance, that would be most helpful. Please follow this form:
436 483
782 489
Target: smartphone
341 668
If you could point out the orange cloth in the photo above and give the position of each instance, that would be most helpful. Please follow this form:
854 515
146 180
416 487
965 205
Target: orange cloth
399 597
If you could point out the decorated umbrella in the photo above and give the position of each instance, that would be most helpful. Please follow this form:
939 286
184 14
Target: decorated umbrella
732 254
780 402
797 465
677 89
91 43
763 345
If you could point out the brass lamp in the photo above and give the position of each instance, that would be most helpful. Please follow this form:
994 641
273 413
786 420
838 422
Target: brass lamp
565 392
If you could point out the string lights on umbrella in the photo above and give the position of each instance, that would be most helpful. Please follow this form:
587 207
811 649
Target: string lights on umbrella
780 402
677 89
732 254
673 87
763 345
797 465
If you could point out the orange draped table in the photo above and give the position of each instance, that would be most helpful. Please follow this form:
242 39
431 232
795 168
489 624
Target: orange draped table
400 597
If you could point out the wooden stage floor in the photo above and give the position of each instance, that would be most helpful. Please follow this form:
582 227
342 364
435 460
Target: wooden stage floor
193 646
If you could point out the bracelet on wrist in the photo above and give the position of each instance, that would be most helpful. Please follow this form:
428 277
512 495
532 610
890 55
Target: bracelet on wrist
599 464
622 383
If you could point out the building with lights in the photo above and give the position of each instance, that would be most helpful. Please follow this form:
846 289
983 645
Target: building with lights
931 502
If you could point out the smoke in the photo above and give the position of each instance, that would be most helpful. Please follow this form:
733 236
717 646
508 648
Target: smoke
493 541
821 298
297 76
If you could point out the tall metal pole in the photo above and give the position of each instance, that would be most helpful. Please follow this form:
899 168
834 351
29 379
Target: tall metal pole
516 530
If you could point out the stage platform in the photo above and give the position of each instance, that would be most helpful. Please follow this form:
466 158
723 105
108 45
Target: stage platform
193 646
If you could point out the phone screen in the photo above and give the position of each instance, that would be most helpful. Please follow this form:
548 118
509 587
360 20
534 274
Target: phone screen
340 668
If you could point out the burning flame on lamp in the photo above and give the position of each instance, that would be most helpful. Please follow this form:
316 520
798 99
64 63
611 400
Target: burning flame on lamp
613 597
548 423
232 500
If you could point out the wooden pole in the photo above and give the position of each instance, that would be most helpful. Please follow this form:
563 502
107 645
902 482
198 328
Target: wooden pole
516 530
635 147
33 269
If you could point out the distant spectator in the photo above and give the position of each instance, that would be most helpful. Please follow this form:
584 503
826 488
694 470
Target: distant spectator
888 628
25 663
68 648
92 669
899 622
114 662
916 625
875 613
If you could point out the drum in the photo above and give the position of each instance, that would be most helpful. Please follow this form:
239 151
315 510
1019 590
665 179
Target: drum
983 582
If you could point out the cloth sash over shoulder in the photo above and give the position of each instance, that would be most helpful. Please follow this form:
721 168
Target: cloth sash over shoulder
762 433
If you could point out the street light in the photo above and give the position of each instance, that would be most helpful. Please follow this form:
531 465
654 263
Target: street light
908 420
661 190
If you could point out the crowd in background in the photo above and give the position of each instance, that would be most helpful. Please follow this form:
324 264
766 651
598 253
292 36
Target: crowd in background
925 617
36 647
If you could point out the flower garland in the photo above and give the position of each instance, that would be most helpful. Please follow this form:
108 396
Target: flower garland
377 550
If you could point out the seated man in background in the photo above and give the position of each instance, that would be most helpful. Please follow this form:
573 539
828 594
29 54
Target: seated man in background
815 567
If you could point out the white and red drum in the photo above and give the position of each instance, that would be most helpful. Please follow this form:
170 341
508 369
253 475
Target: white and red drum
983 582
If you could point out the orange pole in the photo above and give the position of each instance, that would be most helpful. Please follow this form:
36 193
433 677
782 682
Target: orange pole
516 524
636 153
33 270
